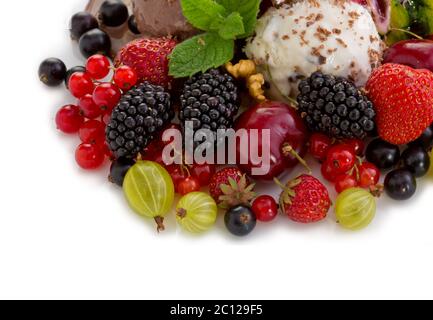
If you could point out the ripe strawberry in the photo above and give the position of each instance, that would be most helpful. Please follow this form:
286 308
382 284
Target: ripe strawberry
149 59
223 177
305 199
403 99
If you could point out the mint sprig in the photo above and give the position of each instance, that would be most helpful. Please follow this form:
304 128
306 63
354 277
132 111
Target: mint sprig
223 21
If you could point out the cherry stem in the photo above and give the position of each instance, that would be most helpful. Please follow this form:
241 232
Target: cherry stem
181 213
279 183
288 150
408 32
293 102
160 224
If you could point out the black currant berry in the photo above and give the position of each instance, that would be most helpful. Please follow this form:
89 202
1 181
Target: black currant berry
240 220
82 22
71 71
417 160
426 139
382 154
113 13
52 72
118 170
400 184
93 42
132 24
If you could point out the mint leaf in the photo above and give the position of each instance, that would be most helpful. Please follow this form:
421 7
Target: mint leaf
203 14
248 9
199 54
232 27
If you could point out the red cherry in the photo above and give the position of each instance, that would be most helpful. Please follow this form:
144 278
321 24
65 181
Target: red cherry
88 107
341 158
177 175
203 172
188 185
287 134
152 151
369 175
89 156
328 172
69 119
345 181
357 145
106 96
98 66
92 131
319 145
125 78
80 84
265 208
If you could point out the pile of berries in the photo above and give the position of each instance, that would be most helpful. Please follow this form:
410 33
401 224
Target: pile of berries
367 141
343 164
95 101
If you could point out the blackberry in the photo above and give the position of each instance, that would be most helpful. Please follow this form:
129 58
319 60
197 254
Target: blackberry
141 113
210 101
334 106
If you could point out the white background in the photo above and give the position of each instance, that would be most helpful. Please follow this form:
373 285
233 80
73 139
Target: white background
65 233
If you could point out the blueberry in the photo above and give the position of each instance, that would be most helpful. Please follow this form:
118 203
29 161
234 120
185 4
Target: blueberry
113 13
52 72
240 220
400 184
82 22
93 42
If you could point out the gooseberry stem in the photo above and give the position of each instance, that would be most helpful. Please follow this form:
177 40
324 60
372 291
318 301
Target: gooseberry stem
160 224
181 213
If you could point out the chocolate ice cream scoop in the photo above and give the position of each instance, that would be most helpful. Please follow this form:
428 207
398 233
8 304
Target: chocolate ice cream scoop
162 18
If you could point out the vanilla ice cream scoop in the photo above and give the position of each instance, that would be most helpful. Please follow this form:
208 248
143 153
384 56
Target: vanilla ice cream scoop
337 37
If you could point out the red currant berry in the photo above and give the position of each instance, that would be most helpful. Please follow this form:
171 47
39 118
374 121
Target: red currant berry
98 66
369 175
106 117
89 156
88 107
203 172
319 145
105 149
92 131
265 208
344 182
106 96
357 145
188 185
328 172
80 84
125 78
341 158
69 119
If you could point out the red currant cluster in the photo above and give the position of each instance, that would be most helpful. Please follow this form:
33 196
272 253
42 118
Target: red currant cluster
343 164
96 101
